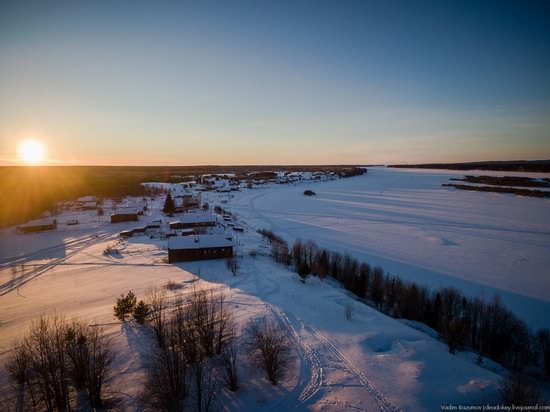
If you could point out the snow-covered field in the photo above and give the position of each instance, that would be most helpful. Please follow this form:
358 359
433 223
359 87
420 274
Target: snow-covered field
400 219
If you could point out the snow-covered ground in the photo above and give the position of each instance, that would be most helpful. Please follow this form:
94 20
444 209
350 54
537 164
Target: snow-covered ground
400 219
404 221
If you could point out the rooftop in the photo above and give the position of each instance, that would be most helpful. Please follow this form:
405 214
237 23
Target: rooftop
125 211
197 217
198 242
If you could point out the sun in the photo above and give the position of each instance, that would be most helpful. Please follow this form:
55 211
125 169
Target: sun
31 151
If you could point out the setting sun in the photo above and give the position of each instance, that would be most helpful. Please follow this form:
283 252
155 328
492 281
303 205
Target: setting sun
31 151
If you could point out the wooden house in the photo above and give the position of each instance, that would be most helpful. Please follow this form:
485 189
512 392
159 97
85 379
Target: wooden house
200 247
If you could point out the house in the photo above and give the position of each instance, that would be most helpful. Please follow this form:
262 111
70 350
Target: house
126 233
155 224
87 202
194 219
127 214
38 226
200 247
85 199
88 206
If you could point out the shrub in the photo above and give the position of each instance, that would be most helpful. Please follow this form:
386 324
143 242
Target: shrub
172 285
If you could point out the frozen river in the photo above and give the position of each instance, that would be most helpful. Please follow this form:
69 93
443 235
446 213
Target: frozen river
403 220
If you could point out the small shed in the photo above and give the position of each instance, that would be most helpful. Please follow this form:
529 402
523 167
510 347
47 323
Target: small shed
200 247
126 214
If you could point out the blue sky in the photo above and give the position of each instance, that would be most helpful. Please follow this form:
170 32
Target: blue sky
252 82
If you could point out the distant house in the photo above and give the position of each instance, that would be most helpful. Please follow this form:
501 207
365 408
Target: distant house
194 219
201 247
84 199
87 202
88 206
155 224
126 233
38 226
127 214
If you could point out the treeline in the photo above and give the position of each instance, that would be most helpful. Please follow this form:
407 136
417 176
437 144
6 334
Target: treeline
352 171
500 189
486 327
30 191
506 181
538 166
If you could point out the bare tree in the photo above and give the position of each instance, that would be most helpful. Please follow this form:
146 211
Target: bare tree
224 321
348 310
269 347
230 357
518 390
99 360
232 265
166 375
156 299
77 351
543 339
18 367
46 348
204 384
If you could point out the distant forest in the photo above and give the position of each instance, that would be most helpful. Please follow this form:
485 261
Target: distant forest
27 192
535 166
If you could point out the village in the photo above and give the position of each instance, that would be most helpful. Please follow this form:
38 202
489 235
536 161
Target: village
179 213
228 239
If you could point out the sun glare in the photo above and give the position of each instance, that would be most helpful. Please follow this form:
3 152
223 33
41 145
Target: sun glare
31 151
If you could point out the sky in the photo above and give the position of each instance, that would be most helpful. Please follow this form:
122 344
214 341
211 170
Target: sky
275 82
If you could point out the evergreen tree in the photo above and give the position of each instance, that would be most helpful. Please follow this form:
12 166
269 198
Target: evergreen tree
168 204
125 305
303 271
141 311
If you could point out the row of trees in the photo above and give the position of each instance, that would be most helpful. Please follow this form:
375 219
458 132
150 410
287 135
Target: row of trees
485 326
56 359
196 347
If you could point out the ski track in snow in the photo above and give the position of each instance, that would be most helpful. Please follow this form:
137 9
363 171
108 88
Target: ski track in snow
72 248
315 360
